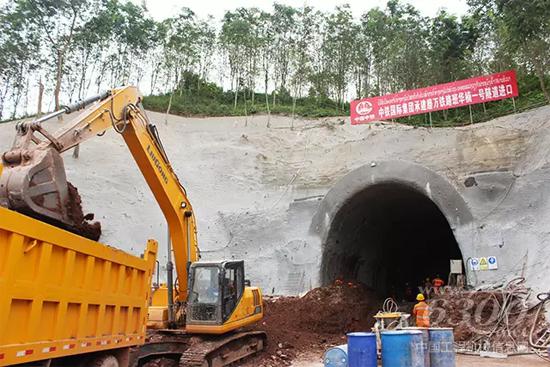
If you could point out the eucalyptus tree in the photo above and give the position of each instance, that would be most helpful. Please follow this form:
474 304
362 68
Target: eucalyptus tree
133 37
239 41
19 57
55 23
206 47
284 30
451 44
375 34
524 28
180 49
303 48
338 42
267 50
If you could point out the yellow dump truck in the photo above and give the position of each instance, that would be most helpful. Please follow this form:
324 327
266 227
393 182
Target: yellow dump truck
67 299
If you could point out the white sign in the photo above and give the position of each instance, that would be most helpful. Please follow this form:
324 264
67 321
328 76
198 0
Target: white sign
483 263
456 266
493 262
474 263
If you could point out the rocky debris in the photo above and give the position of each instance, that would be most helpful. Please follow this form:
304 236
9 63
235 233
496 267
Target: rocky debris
318 320
497 320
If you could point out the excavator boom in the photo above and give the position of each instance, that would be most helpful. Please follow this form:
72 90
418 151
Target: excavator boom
33 180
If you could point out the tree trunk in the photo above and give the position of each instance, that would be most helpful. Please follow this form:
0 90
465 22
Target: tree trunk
3 96
169 106
40 95
236 94
58 77
245 112
293 112
267 100
540 75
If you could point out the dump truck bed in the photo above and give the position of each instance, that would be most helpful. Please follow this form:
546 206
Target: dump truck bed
62 294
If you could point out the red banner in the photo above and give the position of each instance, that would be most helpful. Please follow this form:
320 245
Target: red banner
435 98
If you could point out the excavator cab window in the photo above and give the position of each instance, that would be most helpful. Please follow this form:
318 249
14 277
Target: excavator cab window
215 291
233 287
206 287
205 294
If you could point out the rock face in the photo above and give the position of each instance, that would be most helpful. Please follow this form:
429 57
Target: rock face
273 196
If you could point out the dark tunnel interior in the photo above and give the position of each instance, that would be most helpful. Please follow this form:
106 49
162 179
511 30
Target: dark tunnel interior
387 236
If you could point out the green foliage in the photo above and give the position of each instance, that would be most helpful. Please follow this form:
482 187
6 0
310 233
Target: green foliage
304 61
197 97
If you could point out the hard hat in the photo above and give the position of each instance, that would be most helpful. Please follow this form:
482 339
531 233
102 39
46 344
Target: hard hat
420 297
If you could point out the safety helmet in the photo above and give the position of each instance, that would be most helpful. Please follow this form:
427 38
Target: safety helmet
420 297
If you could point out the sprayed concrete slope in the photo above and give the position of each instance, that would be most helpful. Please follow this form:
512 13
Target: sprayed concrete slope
261 193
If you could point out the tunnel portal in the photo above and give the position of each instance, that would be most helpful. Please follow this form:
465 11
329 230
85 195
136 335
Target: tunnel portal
386 236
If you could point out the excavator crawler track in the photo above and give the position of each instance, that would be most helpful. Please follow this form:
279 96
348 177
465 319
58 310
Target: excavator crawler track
224 350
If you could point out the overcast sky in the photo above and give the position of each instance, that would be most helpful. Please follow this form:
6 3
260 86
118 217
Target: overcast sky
161 9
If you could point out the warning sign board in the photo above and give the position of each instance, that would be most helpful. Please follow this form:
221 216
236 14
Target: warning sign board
483 263
474 263
493 262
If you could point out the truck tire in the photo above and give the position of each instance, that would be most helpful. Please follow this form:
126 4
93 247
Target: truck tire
105 361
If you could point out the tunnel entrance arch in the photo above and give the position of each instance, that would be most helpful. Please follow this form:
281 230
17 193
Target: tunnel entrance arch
389 224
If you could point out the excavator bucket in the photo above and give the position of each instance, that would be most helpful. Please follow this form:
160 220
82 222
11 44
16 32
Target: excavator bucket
33 182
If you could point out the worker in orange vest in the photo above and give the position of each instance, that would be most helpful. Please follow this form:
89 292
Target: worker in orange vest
421 312
437 282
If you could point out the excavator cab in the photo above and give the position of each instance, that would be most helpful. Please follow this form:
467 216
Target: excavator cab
219 298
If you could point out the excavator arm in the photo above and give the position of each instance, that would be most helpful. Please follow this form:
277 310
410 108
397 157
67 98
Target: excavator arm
33 178
33 181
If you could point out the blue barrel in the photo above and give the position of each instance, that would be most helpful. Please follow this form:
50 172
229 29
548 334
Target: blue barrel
362 350
336 357
442 350
402 348
425 343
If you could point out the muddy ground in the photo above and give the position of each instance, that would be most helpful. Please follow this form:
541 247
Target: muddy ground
314 322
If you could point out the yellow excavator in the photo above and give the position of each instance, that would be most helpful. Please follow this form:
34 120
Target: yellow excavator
197 320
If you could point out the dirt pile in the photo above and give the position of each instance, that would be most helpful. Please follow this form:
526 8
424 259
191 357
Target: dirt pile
314 322
496 320
83 224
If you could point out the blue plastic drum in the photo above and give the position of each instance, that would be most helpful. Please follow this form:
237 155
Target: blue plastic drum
336 357
425 343
402 348
442 351
362 350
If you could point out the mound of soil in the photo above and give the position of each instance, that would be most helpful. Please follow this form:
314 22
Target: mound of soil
318 320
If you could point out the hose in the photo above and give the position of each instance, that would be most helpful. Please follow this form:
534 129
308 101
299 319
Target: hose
543 298
389 306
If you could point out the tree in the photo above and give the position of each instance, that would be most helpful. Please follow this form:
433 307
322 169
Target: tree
55 22
451 43
284 29
339 40
522 26
239 40
19 56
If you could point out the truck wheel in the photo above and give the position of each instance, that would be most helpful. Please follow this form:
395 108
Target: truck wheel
105 361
